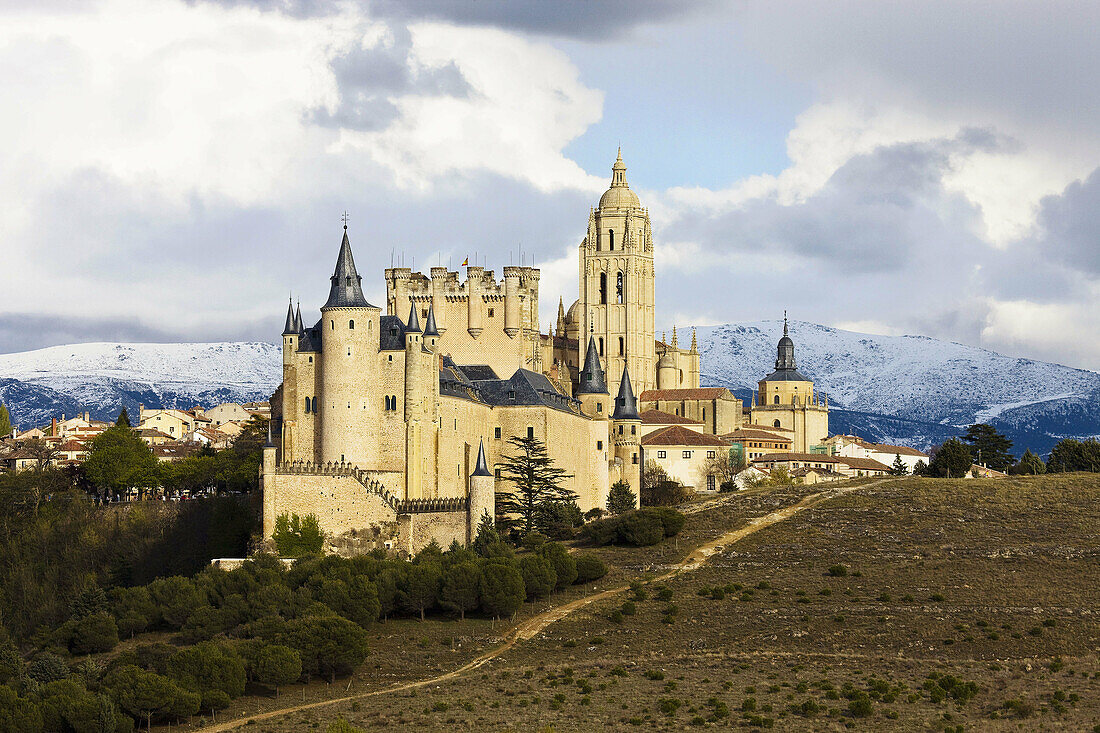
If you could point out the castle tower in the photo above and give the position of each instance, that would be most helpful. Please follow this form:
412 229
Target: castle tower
785 399
591 384
349 347
625 427
616 282
482 494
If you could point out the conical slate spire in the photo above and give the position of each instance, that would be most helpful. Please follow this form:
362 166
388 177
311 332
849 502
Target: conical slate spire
413 326
346 290
482 468
430 328
291 326
298 318
592 378
626 407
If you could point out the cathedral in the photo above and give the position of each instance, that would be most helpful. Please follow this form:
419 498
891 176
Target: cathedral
393 417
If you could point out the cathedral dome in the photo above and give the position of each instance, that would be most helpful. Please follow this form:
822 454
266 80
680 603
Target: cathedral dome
619 196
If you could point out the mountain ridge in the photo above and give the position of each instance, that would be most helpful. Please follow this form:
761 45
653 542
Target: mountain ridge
909 390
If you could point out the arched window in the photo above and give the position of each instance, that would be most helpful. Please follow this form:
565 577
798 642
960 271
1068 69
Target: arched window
776 424
621 346
777 399
611 239
351 324
620 290
307 404
603 288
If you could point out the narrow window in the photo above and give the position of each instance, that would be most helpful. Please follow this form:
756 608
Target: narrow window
497 474
530 432
611 239
621 346
351 325
307 404
349 351
496 433
603 288
332 325
686 454
601 345
777 399
490 312
704 413
633 429
599 445
599 407
634 458
619 290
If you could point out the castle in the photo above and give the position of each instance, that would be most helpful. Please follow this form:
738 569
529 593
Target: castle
391 418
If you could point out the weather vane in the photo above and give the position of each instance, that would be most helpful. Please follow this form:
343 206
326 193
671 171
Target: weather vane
344 219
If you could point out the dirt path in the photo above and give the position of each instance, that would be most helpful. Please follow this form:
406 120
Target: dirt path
528 628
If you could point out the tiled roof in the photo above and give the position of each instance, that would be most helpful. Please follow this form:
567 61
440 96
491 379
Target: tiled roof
698 393
863 464
678 435
902 450
656 417
752 434
784 457
823 471
765 428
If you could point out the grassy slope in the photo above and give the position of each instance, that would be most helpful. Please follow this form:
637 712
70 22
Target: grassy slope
1004 556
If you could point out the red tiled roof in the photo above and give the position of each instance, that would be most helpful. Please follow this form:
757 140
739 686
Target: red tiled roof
765 428
784 457
678 435
698 393
863 464
753 434
656 417
901 450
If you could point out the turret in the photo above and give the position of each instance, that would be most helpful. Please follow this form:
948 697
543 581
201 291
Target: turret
559 329
482 494
439 291
431 330
474 316
592 384
512 322
625 424
349 347
290 336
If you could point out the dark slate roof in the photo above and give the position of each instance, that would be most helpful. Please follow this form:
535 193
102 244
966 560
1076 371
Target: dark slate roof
478 371
310 339
626 407
298 325
291 326
391 334
785 375
413 324
482 468
346 290
591 378
525 388
430 329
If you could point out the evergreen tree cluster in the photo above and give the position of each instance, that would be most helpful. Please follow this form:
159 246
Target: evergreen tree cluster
638 528
262 622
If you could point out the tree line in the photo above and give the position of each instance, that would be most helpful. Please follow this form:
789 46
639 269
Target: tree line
262 622
984 445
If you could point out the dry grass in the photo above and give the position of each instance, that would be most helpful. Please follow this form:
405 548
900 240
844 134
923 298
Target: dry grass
995 583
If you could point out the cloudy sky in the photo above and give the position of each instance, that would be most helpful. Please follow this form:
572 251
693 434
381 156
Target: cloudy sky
172 170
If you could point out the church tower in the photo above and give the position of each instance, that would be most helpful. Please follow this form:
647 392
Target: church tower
616 284
786 400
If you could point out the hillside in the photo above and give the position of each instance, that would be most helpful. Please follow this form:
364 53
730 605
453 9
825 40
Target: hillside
911 389
104 377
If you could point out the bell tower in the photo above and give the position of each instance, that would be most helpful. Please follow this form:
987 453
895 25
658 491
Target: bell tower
616 284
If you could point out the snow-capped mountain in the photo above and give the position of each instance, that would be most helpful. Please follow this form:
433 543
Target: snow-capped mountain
104 377
910 390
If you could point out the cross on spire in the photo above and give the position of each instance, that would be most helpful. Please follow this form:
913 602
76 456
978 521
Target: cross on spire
344 218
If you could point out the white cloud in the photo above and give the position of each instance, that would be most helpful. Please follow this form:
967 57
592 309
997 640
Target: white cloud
527 103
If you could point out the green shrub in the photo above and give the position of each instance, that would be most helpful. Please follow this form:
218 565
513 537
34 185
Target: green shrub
94 633
652 674
629 608
664 593
538 576
838 571
589 568
638 529
565 567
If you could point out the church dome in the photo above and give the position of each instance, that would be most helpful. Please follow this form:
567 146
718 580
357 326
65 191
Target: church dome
619 196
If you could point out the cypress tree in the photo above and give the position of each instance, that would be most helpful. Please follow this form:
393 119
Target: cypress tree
5 421
123 419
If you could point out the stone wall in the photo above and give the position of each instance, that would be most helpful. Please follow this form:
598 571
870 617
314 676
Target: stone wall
416 531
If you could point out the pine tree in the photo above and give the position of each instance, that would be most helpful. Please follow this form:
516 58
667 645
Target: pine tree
535 478
5 421
124 419
989 447
621 499
1029 465
952 460
899 468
